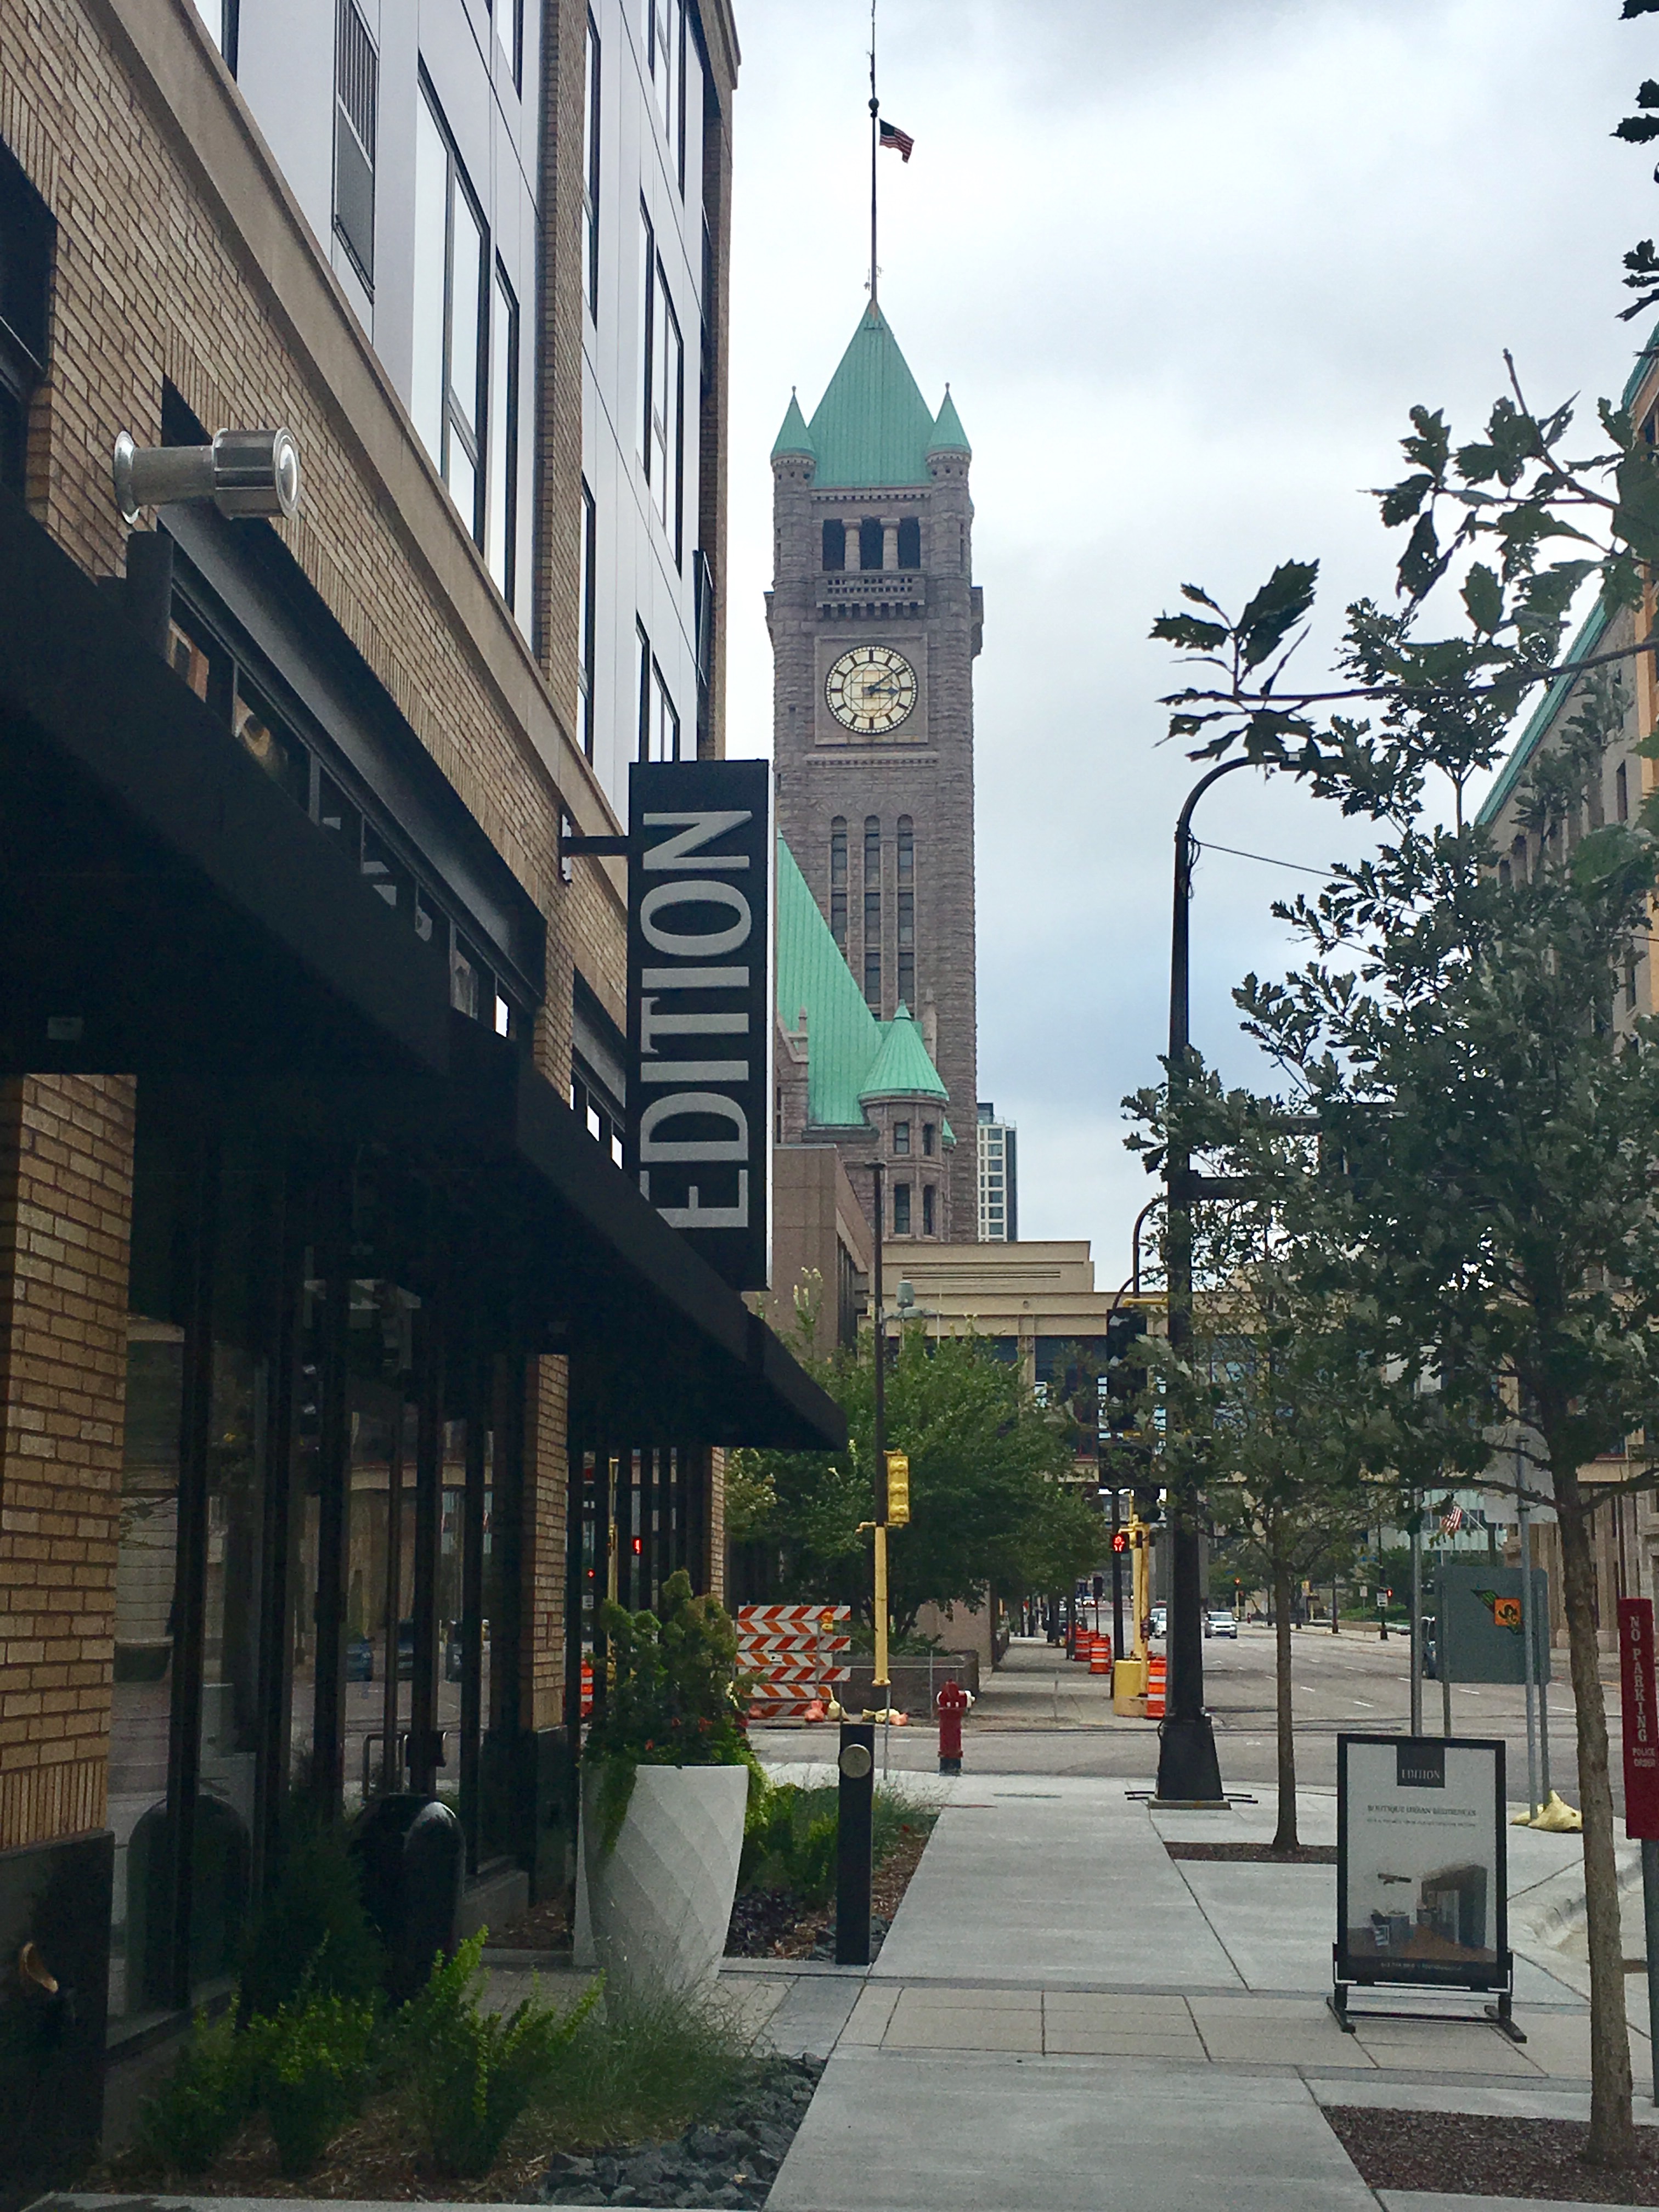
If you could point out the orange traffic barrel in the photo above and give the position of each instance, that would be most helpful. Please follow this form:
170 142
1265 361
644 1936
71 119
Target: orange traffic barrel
1156 1672
587 1688
1100 1662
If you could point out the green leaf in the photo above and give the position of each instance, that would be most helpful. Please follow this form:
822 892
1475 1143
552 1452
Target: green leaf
1191 634
1636 130
1275 610
1429 449
1483 595
1401 501
1477 464
1422 564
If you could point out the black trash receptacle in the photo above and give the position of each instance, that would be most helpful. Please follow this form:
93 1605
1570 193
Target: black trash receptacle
411 1853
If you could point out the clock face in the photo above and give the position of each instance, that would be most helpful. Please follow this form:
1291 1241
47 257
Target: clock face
871 690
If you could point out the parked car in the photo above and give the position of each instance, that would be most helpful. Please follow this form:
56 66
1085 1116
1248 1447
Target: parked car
1160 1621
1430 1648
1220 1622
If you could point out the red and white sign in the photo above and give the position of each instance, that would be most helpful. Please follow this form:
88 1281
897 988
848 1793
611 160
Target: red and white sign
1641 1716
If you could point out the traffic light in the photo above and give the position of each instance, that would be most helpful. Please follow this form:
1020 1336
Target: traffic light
1100 1586
1119 1540
898 1490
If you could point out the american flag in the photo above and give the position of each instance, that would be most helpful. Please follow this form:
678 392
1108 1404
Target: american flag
901 142
1452 1521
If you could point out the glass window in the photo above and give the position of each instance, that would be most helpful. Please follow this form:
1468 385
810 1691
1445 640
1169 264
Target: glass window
872 913
901 1209
451 271
27 234
663 734
662 51
834 546
907 912
501 548
927 1140
282 758
356 109
900 1136
927 1209
662 417
910 541
838 881
1621 791
590 169
586 621
870 543
508 34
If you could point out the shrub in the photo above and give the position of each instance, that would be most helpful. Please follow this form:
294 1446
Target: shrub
310 1933
790 1836
203 2102
472 2074
311 2057
671 1702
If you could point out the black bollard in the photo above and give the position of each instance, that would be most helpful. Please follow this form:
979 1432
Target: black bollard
855 1822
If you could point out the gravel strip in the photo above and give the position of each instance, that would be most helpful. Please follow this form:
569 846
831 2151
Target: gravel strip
731 2163
1256 1854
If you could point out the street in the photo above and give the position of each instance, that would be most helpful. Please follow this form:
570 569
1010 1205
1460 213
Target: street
1039 1714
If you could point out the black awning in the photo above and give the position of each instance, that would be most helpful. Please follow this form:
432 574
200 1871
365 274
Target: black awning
165 909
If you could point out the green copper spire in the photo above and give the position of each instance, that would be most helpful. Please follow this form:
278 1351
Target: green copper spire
903 1068
949 436
794 437
872 427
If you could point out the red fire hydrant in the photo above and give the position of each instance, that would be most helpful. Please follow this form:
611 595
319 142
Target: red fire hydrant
953 1702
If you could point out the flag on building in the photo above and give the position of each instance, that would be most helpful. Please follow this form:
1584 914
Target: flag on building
1452 1521
900 142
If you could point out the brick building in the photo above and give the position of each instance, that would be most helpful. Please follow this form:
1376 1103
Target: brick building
875 622
333 1347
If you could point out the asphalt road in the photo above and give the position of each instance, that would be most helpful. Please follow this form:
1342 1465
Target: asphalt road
1037 1714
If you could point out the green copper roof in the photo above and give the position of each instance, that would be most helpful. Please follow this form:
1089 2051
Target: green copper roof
903 1069
794 437
949 436
1543 714
873 426
848 1050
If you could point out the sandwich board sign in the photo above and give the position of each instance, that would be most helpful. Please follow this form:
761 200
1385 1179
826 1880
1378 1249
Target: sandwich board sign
1422 1885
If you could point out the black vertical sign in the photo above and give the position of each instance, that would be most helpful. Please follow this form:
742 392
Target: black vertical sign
700 1003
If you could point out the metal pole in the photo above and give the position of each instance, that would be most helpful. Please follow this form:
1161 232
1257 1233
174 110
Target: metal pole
1529 1636
1188 1768
1117 1586
881 1687
1650 1917
1417 1618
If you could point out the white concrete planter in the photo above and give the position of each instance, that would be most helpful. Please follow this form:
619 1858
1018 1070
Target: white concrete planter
659 1901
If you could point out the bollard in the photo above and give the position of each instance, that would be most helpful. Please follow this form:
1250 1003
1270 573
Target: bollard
952 1703
854 1815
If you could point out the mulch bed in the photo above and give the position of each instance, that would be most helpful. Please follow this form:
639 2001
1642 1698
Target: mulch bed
1256 1854
777 1925
543 1928
1465 2155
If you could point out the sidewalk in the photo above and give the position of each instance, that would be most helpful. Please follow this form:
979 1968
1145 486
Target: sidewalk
1063 2017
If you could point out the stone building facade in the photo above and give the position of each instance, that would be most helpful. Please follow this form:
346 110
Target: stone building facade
309 1274
875 621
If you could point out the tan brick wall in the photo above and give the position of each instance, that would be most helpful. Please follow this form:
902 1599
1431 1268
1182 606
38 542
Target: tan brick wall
65 1201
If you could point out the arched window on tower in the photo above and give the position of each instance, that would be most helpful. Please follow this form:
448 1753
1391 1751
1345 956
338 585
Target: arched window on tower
907 911
910 541
838 881
872 913
869 542
834 544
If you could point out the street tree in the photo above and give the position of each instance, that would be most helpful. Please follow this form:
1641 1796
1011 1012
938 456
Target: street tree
990 1503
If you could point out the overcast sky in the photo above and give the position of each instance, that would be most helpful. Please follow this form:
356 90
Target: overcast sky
1186 264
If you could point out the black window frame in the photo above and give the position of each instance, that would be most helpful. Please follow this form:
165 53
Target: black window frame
356 124
30 233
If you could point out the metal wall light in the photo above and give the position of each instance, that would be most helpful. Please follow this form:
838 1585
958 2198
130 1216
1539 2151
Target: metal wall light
243 472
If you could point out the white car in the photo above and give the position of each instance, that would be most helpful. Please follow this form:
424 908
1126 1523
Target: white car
1223 1624
1160 1621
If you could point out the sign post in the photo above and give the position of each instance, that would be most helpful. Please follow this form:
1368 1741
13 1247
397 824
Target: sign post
1640 1731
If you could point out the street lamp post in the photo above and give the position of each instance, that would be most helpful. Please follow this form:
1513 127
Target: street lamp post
1189 1770
881 1688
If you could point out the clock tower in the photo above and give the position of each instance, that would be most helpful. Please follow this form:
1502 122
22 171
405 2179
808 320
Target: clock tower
875 622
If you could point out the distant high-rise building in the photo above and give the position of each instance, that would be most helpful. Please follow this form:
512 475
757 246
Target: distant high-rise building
998 1178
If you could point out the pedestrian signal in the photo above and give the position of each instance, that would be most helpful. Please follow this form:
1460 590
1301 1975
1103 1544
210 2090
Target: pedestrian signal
1100 1586
1119 1540
898 1490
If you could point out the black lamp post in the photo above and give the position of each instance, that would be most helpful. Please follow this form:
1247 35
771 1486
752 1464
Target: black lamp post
1189 1770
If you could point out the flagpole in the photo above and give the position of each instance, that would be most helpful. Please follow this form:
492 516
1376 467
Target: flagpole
875 111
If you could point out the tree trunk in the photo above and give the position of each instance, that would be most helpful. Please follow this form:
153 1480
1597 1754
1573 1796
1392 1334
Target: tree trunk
1611 2136
1284 1836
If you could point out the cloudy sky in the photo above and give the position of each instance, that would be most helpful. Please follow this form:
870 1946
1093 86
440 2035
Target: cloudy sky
1186 263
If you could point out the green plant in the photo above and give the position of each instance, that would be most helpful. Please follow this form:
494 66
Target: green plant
472 2074
671 1700
643 2067
310 1931
313 2058
790 1836
203 2102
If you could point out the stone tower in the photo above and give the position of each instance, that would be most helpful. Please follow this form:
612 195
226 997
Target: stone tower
875 622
